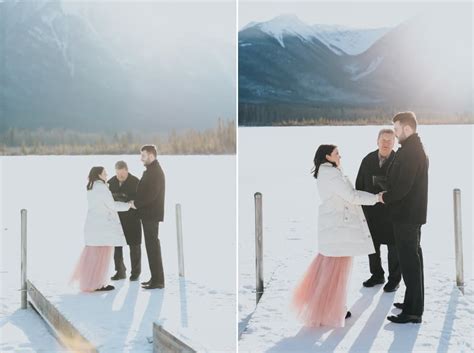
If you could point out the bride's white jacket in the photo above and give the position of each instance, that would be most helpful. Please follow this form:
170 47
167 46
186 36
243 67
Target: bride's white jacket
342 227
102 227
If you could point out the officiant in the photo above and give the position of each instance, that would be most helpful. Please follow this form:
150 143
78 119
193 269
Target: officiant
124 188
372 178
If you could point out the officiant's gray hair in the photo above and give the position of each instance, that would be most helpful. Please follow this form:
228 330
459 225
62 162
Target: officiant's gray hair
121 165
386 131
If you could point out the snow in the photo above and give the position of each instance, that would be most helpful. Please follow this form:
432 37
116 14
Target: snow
52 188
371 68
277 162
340 39
49 18
352 41
289 25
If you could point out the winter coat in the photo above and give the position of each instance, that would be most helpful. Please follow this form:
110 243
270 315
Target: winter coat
342 228
150 198
102 226
407 183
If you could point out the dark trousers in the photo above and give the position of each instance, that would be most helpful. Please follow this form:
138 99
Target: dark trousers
375 263
135 260
153 251
410 255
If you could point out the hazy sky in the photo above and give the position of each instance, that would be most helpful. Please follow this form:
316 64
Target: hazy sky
178 52
352 13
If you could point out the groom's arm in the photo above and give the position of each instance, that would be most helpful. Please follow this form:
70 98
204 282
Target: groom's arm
403 175
146 194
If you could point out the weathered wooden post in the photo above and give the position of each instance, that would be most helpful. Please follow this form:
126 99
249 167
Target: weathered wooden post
259 245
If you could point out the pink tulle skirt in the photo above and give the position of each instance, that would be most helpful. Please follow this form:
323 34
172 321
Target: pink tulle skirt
320 298
92 269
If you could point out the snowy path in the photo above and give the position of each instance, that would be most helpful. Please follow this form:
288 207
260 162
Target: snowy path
447 323
52 188
277 162
121 320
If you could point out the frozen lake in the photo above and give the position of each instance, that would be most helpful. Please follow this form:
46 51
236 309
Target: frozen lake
52 189
277 162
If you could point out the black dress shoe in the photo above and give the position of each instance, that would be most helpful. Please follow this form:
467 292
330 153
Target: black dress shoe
372 281
405 319
146 283
153 286
391 287
117 276
134 277
348 314
105 288
399 305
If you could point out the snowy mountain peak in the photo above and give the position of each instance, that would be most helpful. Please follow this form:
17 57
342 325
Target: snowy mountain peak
342 40
287 24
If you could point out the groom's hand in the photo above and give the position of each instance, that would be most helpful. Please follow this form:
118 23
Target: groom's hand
132 205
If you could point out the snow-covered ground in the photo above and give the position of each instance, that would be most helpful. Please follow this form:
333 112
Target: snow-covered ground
277 162
52 188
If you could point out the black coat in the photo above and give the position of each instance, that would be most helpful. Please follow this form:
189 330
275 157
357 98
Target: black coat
378 218
407 183
150 199
131 225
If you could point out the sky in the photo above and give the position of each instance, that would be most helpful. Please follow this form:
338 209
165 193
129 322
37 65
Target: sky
185 50
358 14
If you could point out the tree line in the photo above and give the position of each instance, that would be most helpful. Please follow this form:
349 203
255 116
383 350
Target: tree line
220 139
286 114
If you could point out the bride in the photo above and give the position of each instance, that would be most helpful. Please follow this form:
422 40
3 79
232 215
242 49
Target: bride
320 297
102 232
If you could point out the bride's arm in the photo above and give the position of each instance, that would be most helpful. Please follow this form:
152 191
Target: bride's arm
346 191
116 206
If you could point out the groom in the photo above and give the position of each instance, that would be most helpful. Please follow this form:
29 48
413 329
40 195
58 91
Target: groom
150 203
407 200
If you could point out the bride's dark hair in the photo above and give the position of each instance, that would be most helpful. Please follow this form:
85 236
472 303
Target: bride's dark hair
94 175
320 158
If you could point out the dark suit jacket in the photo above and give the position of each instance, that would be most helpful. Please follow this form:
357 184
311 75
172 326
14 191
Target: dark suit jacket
407 181
130 222
150 198
378 218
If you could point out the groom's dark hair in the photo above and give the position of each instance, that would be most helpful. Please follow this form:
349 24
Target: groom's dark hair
149 149
406 118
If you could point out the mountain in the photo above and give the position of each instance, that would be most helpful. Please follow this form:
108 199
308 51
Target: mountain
341 40
285 60
82 66
55 69
420 64
345 40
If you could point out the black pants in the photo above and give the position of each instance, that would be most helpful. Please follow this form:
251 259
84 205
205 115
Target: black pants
407 239
375 263
153 251
135 260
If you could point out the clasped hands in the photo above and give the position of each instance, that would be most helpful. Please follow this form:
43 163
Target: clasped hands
380 196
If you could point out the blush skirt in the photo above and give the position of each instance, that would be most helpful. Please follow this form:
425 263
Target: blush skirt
320 297
92 269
